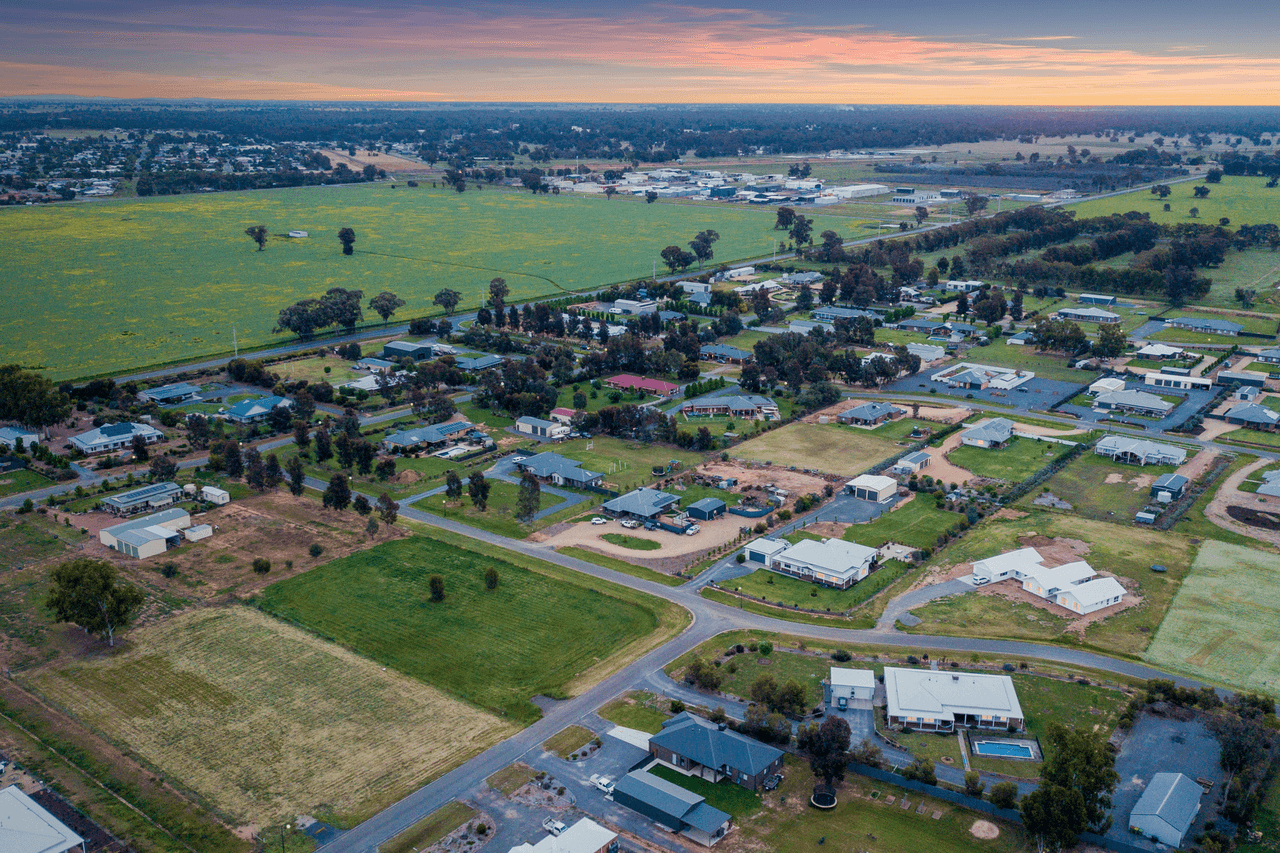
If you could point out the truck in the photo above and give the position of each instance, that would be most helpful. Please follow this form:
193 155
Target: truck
553 826
603 783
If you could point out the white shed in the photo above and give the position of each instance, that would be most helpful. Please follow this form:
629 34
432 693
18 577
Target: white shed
215 495
195 534
851 684
1167 808
1107 385
872 487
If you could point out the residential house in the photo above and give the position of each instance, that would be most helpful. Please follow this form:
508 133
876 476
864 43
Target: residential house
563 415
585 836
11 437
542 428
1088 315
152 497
1021 339
641 503
478 363
1253 416
671 806
28 827
1136 402
634 307
1045 582
831 313
170 395
846 687
1208 327
1139 451
911 463
1169 487
1178 381
869 414
110 437
1160 352
805 327
724 354
966 375
252 411
148 535
995 432
1269 356
872 487
831 562
930 700
1167 808
693 746
1018 565
694 286
430 437
1091 595
749 406
961 286
627 382
559 470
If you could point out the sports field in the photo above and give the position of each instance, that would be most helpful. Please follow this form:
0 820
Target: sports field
1245 201
496 648
121 284
267 721
1224 625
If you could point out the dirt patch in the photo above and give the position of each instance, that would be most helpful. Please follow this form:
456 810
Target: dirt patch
1229 496
1255 517
1034 429
941 468
1113 478
828 529
984 829
363 157
750 477
1197 465
1141 482
1009 513
407 476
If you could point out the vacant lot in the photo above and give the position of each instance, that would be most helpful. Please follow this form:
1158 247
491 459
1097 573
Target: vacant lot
1245 201
1015 462
267 721
29 546
1129 556
1043 365
496 648
625 464
831 448
169 277
917 523
17 482
1224 625
1104 490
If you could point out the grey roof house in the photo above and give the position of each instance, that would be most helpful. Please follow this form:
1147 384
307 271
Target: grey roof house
697 747
723 353
249 411
560 470
993 433
672 806
172 394
154 496
1208 327
110 437
868 414
1252 415
428 435
641 503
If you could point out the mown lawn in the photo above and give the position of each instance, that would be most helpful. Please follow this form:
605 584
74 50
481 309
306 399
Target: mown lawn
1043 365
1014 462
626 464
568 741
495 648
635 543
917 523
634 712
430 829
499 514
776 588
17 482
1083 484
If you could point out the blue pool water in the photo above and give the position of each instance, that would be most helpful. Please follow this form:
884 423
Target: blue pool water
1003 749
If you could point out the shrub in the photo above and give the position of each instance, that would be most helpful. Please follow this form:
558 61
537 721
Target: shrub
676 706
491 578
316 549
973 784
1004 795
262 565
481 829
913 660
169 569
742 558
765 648
841 656
921 770
1009 667
436 583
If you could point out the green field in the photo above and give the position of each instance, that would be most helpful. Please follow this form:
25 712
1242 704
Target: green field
17 482
634 712
781 589
1224 625
917 523
1083 484
1014 462
1245 201
168 278
635 543
533 634
831 448
430 829
1128 556
1001 354
499 515
1251 323
625 464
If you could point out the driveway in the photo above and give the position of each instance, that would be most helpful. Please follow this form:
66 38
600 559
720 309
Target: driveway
898 608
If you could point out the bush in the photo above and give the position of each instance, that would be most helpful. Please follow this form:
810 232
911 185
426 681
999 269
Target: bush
921 770
481 829
742 558
316 549
262 565
841 656
169 569
765 648
973 784
491 578
1004 795
676 706
436 583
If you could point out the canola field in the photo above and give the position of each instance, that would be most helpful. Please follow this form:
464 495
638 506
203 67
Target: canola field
119 285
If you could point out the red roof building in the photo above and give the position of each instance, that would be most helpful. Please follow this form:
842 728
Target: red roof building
562 415
626 382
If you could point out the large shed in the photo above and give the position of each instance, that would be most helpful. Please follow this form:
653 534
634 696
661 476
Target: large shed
707 509
1167 808
28 827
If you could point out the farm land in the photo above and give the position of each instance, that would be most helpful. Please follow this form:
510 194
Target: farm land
1224 624
533 634
1243 200
266 720
167 278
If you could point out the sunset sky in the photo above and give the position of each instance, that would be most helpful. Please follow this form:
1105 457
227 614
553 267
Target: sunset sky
854 51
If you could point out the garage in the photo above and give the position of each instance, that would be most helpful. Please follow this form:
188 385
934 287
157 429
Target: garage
872 487
764 550
707 509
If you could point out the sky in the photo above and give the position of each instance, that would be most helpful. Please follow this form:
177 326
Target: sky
1085 52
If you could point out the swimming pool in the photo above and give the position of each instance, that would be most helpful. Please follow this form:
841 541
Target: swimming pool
1004 749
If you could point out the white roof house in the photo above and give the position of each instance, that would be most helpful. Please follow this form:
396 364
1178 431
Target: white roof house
1047 583
760 550
1016 564
1090 596
1167 808
1160 351
939 700
115 437
834 562
1106 385
585 836
1139 451
27 827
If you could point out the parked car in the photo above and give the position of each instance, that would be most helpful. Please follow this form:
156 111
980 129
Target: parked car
599 520
980 581
604 783
691 529
630 523
553 826
772 782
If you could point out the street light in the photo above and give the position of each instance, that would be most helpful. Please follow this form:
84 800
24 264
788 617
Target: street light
282 831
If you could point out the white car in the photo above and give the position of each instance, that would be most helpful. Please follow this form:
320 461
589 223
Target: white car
553 826
599 520
630 523
604 783
691 530
977 581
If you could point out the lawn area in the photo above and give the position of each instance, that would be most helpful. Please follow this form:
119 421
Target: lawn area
746 339
1194 523
724 795
1224 625
831 448
1014 462
635 543
634 711
487 417
187 257
783 666
1129 555
621 566
1044 366
626 464
1171 335
511 778
568 741
1245 200
206 695
22 480
496 648
1083 484
863 823
597 400
318 368
916 523
777 588
499 515
900 430
430 829
1246 436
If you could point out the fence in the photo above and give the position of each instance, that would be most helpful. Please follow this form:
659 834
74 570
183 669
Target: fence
919 445
751 513
1050 439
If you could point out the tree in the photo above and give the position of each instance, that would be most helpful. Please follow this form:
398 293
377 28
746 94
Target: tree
297 476
258 233
1015 306
1200 192
478 490
436 584
347 237
163 468
1111 341
973 204
498 293
1246 297
361 505
140 451
491 578
827 746
1194 212
1080 761
324 445
801 231
232 462
447 299
344 306
804 299
962 305
650 197
85 592
371 526
1004 795
1054 815
452 485
786 216
388 509
676 258
973 784
261 565
701 245
385 304
529 499
921 213
338 495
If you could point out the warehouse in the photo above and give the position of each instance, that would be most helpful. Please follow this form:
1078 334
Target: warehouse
147 536
871 487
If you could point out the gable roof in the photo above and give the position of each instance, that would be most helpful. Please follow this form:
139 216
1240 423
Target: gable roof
479 362
996 429
1023 561
942 695
708 505
1208 325
169 392
1064 575
1254 414
1170 481
1173 798
915 458
709 745
1135 400
1117 444
1095 591
643 501
28 827
723 351
845 677
672 800
548 464
869 411
260 406
105 433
